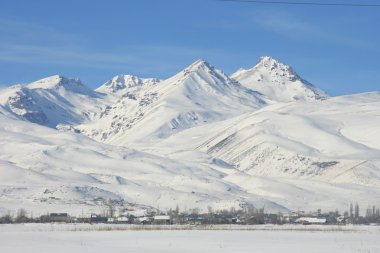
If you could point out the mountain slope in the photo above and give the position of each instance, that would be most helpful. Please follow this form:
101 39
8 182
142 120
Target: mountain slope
277 81
293 139
322 153
45 170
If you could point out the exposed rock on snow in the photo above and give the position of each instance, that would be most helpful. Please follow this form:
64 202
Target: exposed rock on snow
277 81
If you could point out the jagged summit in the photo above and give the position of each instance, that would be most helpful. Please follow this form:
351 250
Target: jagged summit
270 64
56 81
202 66
202 70
198 64
277 81
277 68
267 59
123 82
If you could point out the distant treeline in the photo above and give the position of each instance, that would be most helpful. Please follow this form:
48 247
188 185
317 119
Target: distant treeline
245 216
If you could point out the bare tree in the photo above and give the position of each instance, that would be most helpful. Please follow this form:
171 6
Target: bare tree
357 210
111 209
21 216
6 219
351 210
210 214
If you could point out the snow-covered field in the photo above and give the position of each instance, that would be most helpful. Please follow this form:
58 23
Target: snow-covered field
35 238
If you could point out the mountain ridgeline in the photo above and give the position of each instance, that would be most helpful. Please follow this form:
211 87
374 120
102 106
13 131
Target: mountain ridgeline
263 136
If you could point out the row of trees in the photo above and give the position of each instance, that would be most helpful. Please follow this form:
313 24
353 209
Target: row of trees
247 215
372 214
21 217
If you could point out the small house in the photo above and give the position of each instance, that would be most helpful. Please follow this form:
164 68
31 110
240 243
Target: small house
59 217
162 219
144 220
311 220
98 219
122 219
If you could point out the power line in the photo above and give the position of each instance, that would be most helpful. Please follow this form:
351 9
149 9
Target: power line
303 3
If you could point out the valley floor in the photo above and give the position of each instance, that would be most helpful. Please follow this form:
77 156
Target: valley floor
42 238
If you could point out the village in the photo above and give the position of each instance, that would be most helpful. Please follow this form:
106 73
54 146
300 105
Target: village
247 216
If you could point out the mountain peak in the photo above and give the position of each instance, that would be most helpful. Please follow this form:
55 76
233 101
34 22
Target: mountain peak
202 70
56 81
199 64
277 67
278 81
124 81
120 82
267 59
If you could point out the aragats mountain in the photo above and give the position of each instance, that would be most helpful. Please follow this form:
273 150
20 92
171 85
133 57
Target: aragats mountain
262 137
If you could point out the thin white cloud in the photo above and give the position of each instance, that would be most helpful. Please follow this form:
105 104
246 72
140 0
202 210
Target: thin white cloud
282 22
22 53
157 57
26 43
293 27
15 31
34 44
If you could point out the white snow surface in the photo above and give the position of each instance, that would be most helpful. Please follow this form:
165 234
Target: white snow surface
51 238
299 155
45 170
196 139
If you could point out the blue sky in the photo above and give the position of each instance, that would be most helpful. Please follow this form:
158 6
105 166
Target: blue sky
336 48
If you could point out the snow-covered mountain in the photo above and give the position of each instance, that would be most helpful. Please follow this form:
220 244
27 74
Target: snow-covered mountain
198 95
264 137
277 81
300 139
52 101
296 154
45 170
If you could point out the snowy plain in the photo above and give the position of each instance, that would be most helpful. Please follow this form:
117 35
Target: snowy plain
40 238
